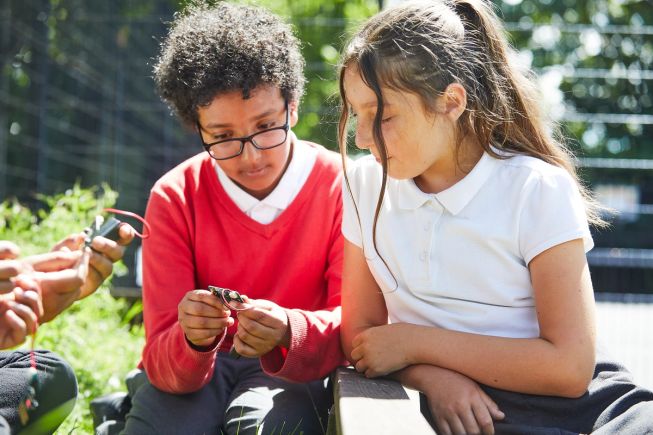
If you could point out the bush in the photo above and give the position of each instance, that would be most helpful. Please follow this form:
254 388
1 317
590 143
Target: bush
94 335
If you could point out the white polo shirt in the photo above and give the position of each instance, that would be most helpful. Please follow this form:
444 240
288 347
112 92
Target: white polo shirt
269 208
459 257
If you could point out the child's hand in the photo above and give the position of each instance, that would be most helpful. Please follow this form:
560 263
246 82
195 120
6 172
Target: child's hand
9 267
60 275
380 350
105 252
8 250
19 311
202 317
261 328
457 403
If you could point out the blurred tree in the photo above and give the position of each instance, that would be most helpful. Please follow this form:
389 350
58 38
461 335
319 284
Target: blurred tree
594 57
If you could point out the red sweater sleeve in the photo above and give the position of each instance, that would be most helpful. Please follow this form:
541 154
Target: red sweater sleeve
171 364
315 347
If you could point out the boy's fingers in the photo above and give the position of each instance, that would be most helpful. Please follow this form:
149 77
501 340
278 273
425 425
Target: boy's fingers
243 348
255 329
202 334
206 297
201 322
257 315
200 309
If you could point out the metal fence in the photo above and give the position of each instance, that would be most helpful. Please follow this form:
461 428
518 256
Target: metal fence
77 103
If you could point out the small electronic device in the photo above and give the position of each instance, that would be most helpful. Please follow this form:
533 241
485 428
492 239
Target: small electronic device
234 301
102 227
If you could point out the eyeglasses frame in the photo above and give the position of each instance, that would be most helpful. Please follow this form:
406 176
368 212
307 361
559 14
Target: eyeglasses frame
243 140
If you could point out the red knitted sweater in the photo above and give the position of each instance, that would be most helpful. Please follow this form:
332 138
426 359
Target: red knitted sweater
200 237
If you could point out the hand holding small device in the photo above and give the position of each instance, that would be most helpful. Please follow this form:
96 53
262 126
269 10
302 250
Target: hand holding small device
261 329
203 318
108 228
107 238
234 301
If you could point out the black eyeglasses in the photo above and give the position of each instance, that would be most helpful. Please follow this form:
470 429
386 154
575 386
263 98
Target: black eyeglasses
262 140
230 298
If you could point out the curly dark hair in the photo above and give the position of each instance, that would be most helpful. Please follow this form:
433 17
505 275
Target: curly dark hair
211 50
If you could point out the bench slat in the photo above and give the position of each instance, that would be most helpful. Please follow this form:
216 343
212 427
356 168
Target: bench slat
376 406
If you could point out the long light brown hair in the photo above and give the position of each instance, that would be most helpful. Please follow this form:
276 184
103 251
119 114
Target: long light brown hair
423 46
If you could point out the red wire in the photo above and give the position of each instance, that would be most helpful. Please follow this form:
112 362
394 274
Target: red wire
32 355
146 226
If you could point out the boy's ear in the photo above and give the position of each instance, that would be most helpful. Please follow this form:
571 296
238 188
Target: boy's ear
293 108
454 101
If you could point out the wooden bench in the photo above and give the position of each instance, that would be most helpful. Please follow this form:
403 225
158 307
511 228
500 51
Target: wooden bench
374 406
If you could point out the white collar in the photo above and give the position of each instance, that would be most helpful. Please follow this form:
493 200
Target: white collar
456 197
301 163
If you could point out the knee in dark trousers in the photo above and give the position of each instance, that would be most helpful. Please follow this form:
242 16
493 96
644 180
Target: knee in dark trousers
55 390
112 408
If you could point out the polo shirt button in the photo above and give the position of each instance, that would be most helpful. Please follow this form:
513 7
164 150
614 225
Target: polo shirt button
422 255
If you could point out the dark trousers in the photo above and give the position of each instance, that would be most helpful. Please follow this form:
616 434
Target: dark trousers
56 391
613 404
239 399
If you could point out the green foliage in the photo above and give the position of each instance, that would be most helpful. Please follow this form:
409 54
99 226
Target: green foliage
62 214
595 57
90 332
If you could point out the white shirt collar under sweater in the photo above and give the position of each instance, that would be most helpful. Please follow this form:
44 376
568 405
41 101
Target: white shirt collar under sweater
269 208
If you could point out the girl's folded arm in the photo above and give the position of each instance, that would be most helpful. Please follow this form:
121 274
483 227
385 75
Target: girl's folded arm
560 362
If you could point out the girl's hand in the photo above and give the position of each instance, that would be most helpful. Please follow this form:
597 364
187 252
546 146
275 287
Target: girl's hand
261 329
384 349
202 317
457 403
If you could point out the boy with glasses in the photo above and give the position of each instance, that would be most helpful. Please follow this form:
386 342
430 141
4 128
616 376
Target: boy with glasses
258 213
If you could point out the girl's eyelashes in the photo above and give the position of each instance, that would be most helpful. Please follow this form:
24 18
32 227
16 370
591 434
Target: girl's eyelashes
383 121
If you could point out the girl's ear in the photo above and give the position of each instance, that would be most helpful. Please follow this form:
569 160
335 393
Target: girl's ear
293 109
453 102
